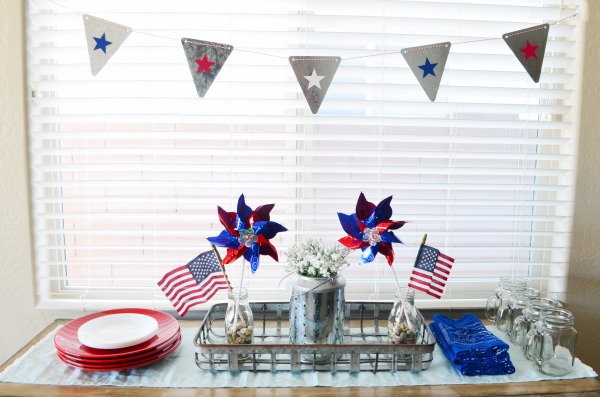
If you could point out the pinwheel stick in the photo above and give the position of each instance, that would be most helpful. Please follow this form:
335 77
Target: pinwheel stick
237 301
408 322
229 287
395 278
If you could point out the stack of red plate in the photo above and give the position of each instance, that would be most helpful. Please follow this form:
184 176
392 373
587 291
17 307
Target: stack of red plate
117 340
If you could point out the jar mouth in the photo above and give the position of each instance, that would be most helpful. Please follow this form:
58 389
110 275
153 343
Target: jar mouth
526 294
540 304
404 293
241 293
558 321
556 317
510 281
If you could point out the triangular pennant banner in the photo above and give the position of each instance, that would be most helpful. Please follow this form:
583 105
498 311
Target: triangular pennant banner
103 39
529 46
427 64
314 74
205 60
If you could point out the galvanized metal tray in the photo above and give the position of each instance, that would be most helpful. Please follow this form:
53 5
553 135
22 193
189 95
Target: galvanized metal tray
365 346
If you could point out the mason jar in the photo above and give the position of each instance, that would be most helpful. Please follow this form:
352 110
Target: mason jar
551 342
404 322
531 314
505 287
510 310
239 320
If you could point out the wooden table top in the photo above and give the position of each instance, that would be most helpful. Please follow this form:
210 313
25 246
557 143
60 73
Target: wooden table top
572 387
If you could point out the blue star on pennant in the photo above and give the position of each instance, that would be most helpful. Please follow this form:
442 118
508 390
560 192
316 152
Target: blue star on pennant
101 43
428 68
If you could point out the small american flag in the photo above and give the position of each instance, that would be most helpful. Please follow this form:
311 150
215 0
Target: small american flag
431 271
194 283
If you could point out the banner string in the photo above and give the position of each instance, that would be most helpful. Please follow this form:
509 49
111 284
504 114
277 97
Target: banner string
260 53
576 13
156 35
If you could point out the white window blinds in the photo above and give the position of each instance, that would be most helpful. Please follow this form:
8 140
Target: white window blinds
128 167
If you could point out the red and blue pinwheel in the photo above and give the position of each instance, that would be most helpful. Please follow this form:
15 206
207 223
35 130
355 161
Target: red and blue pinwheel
370 229
247 233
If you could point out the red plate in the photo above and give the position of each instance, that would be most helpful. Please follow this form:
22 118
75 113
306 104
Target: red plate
67 342
122 360
120 367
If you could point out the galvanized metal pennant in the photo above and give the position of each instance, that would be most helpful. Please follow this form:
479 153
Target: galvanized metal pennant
205 60
529 46
314 74
103 39
427 64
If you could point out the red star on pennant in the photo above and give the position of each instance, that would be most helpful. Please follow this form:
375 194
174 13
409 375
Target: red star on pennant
529 50
204 65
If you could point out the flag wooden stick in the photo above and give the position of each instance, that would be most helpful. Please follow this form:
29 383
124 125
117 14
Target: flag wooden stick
420 248
222 267
229 287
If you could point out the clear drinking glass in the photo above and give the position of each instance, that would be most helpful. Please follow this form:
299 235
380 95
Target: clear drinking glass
531 314
551 342
404 322
511 309
239 320
505 287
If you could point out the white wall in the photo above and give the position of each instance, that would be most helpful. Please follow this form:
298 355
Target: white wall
19 322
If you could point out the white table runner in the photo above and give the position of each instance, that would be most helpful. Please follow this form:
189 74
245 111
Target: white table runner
40 365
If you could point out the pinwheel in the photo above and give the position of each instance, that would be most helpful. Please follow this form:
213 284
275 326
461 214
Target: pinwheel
247 233
370 229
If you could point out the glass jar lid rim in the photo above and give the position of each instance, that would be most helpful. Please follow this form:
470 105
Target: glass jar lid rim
240 292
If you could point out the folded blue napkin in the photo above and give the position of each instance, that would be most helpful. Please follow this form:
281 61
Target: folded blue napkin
472 349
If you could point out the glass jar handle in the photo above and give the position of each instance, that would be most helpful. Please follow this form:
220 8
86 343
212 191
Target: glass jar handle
503 317
531 346
519 330
491 308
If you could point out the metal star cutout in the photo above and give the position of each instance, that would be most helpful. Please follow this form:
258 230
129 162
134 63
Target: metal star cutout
314 80
428 68
101 43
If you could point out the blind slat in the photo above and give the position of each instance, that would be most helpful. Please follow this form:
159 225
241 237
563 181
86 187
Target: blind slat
128 167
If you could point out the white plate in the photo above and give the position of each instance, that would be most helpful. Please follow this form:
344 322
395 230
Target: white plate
115 331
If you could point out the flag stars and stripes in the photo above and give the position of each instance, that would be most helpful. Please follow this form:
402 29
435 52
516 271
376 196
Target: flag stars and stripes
431 271
194 283
202 266
427 259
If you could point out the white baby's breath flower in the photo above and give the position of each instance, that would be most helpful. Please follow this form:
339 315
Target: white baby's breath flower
313 258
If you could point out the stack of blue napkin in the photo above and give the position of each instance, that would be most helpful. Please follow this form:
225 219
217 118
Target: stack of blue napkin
472 349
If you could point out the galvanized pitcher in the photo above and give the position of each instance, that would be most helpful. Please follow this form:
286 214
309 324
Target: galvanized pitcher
317 308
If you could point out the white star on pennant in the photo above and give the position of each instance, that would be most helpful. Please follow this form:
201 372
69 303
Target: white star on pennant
314 79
